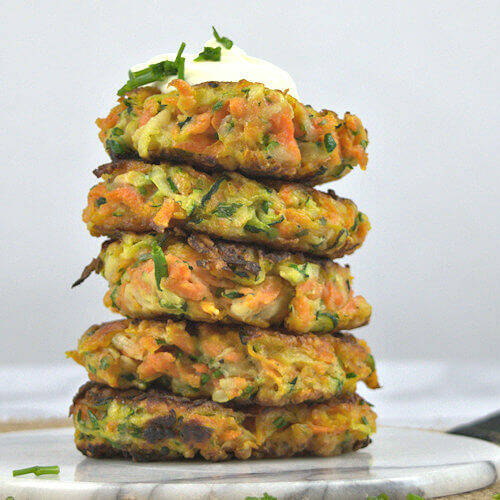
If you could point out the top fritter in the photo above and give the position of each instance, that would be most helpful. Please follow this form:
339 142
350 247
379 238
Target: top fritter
240 126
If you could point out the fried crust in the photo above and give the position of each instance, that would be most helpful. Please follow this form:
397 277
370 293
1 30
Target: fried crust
153 425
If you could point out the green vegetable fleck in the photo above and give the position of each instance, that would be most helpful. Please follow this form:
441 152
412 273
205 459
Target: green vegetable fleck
172 185
330 143
279 422
161 269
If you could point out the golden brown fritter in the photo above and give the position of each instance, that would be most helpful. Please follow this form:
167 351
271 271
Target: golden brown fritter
225 363
153 425
153 277
141 197
235 126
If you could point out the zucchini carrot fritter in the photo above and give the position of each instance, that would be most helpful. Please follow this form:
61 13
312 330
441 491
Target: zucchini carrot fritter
235 126
225 363
154 425
140 197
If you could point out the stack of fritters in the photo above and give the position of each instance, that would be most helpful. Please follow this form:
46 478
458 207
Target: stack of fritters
219 256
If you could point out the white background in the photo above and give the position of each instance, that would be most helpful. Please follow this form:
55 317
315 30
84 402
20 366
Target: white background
423 77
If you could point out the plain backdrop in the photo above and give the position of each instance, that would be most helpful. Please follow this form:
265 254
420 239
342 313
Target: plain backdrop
423 77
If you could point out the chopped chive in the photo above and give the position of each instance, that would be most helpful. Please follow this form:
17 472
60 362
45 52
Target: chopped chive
330 143
218 105
161 269
179 54
213 188
371 363
364 420
350 375
180 69
38 470
155 72
222 39
160 341
172 185
209 54
204 378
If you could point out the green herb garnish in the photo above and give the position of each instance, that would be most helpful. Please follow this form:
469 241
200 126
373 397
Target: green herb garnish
265 497
330 143
155 72
218 105
222 39
364 420
161 269
350 375
38 470
209 54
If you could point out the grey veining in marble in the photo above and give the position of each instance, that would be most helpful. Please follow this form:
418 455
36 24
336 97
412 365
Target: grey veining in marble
400 461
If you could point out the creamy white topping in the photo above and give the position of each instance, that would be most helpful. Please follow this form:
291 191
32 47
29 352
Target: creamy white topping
234 65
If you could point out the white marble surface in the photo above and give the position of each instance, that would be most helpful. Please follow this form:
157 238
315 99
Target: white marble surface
400 461
418 393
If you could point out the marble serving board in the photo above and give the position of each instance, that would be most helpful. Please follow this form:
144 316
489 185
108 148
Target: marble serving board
398 462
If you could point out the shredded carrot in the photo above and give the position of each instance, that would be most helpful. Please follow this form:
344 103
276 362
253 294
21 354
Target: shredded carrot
238 107
182 281
162 218
333 296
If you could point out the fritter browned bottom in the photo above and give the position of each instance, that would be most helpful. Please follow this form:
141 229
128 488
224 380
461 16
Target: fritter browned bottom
153 425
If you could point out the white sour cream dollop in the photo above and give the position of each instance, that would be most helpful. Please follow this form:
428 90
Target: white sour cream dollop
234 65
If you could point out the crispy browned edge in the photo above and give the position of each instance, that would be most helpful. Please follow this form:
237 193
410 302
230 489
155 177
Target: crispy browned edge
160 427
